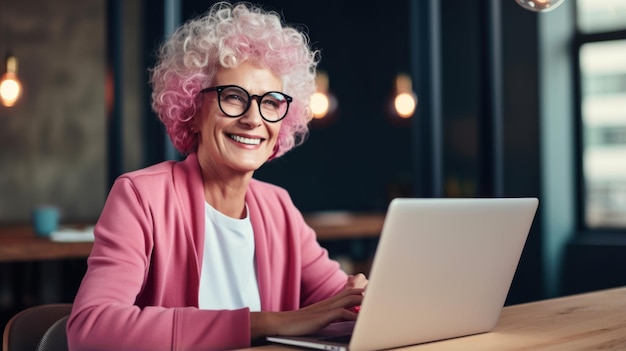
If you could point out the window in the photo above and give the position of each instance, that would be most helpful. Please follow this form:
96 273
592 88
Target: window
601 49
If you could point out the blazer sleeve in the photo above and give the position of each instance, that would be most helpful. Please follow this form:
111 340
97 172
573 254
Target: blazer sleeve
321 277
105 315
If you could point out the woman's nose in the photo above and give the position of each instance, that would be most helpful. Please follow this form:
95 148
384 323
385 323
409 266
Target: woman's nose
252 117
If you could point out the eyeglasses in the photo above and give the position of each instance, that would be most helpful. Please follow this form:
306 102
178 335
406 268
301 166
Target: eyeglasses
234 101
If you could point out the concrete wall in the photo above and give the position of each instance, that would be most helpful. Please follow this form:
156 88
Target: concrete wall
53 142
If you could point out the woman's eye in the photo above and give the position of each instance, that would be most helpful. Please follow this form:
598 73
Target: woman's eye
234 98
270 103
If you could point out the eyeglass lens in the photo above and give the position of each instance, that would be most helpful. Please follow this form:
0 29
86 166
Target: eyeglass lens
235 101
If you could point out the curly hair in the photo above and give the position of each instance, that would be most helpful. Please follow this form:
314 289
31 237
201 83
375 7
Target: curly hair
225 36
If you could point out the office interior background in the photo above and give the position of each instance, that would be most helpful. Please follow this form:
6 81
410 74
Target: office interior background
511 103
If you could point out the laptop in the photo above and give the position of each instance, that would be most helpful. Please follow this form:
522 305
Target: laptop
442 269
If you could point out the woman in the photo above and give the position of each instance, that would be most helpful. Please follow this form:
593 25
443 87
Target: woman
197 254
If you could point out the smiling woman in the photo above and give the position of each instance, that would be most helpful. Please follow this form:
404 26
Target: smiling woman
198 253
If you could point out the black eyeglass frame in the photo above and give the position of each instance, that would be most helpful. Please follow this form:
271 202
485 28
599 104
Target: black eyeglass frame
251 97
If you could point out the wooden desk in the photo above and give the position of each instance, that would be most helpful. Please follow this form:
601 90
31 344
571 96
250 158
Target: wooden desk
19 243
593 321
345 225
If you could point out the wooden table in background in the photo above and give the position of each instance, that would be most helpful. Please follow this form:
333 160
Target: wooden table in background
19 243
591 321
345 225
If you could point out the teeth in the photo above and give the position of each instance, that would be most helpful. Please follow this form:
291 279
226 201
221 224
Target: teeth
243 140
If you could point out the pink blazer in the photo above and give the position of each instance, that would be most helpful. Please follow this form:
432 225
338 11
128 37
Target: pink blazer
140 290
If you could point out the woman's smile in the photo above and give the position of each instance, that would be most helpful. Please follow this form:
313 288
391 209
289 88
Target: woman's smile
246 140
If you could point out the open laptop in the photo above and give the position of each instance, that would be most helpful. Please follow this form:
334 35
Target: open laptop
442 269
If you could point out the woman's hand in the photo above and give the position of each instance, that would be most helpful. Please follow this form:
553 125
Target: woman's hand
356 281
314 317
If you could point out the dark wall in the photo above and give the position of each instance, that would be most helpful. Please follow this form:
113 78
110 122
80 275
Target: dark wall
592 262
464 108
521 128
473 127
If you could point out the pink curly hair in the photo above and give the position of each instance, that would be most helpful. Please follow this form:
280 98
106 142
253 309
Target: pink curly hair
226 36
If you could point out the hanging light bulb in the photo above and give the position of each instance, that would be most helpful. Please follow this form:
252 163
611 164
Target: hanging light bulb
539 5
10 86
323 103
405 100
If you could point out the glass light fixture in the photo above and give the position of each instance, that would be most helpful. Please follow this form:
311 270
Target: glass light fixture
405 100
10 85
539 5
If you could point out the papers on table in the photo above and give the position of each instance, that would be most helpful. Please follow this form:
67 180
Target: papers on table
72 234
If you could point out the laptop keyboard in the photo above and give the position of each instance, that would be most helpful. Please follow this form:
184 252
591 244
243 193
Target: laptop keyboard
342 339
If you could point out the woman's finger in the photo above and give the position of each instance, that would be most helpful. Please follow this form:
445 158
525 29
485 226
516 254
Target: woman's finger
356 281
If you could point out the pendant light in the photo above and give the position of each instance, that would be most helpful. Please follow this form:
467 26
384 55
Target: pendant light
323 102
405 99
539 5
10 85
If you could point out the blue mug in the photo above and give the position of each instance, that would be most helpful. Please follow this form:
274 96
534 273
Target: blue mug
45 220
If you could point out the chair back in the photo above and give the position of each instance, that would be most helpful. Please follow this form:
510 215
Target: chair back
27 330
55 339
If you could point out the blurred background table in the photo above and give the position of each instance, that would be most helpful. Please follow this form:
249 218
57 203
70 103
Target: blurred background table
350 237
346 225
36 270
19 243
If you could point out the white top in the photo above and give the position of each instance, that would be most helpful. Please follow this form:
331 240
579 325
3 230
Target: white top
228 278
